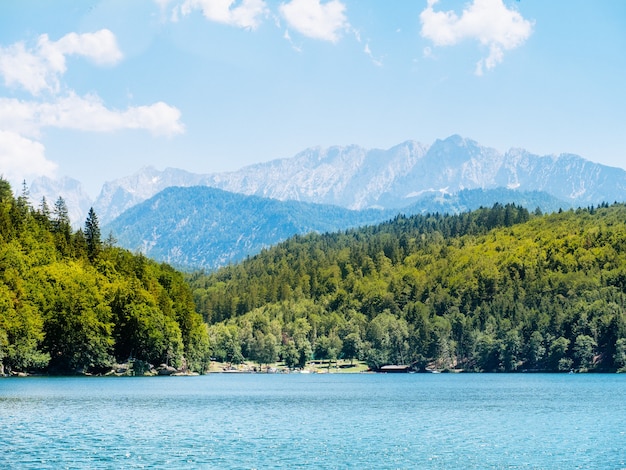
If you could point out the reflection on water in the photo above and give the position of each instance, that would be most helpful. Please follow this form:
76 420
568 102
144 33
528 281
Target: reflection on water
325 421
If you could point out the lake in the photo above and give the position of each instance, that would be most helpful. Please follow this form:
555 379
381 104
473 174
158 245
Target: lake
247 421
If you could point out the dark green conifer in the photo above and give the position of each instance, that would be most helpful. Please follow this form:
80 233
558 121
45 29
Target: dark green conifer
92 235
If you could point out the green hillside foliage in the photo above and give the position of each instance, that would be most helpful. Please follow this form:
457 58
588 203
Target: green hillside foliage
71 302
497 289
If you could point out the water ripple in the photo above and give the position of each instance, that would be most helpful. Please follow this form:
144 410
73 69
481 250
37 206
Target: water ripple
340 422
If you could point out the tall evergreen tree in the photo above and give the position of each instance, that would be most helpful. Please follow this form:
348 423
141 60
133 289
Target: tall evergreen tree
61 217
21 209
6 202
44 209
61 226
110 241
92 235
43 213
23 199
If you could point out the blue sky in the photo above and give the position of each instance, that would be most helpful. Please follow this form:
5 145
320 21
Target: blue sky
95 90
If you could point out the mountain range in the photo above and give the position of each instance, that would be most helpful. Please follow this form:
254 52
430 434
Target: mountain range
357 178
221 218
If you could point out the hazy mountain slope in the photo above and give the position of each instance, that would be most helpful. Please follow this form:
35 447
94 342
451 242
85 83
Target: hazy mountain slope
202 227
568 177
207 227
119 195
448 166
76 199
351 177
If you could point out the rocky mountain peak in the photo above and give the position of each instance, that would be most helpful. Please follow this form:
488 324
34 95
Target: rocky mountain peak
355 177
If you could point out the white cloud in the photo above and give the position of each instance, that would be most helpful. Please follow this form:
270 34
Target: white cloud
163 4
163 7
101 46
19 117
488 21
287 36
86 114
38 69
316 20
21 68
158 118
21 157
368 52
247 14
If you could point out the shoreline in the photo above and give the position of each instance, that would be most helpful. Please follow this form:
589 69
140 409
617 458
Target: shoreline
312 367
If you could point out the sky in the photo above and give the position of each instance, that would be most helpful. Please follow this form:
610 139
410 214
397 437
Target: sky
96 90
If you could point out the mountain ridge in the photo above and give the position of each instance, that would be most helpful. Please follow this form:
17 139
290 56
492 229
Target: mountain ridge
356 178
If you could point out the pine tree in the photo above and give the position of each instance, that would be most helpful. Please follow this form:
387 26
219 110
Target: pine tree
43 213
61 226
110 241
21 209
24 199
61 217
92 235
6 202
44 209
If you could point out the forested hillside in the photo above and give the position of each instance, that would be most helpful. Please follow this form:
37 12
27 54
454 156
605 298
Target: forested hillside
71 302
497 289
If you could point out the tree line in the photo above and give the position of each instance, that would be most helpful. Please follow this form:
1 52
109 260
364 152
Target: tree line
73 302
496 289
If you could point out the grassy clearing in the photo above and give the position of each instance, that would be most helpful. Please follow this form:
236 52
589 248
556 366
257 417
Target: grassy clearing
316 367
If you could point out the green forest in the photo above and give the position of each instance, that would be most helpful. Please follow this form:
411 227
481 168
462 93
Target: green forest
496 289
71 302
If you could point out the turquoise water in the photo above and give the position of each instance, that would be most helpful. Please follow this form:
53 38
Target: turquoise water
315 421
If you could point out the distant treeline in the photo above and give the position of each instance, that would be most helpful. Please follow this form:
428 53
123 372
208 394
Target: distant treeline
497 289
72 302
